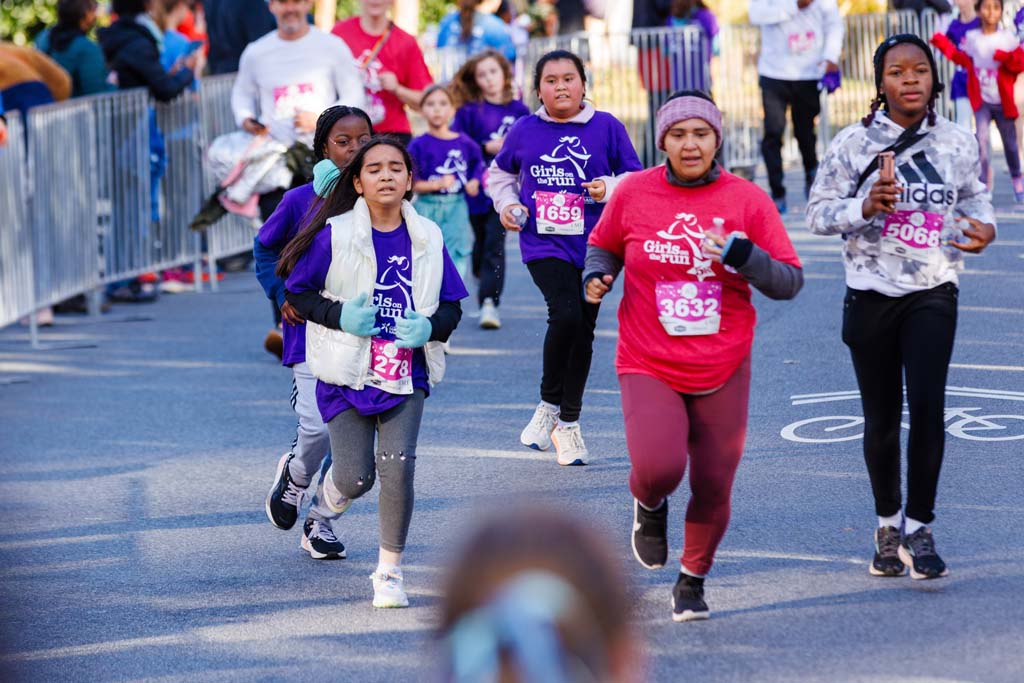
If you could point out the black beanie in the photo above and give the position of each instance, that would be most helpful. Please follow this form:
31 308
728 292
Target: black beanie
326 121
901 39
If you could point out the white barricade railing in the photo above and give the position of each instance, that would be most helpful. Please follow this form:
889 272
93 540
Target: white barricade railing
63 232
181 191
16 273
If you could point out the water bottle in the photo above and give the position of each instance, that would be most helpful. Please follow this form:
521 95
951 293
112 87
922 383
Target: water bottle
519 216
951 232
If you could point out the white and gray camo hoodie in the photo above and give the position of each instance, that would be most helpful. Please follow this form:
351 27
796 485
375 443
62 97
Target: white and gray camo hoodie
939 174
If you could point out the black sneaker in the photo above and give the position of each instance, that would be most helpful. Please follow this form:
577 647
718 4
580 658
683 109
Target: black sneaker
319 541
285 497
917 551
650 547
887 560
688 599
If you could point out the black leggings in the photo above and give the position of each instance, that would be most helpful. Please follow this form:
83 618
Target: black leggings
488 255
569 343
888 337
802 98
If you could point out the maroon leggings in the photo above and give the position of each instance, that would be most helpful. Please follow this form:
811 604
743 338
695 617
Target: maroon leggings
662 428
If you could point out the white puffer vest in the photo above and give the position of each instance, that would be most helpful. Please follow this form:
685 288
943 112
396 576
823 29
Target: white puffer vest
343 359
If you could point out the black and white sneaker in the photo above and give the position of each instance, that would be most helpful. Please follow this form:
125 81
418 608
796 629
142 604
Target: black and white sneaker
887 560
319 541
650 545
688 599
917 551
285 497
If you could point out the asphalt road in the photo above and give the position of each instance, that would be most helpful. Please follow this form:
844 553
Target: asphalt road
135 546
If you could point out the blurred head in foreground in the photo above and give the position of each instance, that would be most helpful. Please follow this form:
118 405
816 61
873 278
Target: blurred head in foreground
533 597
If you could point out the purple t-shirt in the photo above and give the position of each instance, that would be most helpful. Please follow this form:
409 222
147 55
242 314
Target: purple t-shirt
956 32
284 223
559 158
392 295
435 157
483 122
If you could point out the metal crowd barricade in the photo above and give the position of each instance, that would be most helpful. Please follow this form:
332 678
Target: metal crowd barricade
63 205
121 139
180 191
16 271
232 234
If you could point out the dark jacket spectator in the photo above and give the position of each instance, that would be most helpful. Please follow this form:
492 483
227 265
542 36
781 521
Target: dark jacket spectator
133 53
940 6
231 25
650 13
68 45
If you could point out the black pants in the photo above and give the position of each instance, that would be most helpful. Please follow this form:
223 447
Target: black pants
569 343
802 98
888 337
488 259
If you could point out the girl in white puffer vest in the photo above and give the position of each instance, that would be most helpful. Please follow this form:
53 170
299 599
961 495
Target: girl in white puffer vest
381 295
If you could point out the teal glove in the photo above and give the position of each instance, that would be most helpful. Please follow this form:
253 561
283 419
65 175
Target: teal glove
359 319
412 331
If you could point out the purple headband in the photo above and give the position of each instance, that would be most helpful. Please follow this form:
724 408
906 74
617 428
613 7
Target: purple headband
688 107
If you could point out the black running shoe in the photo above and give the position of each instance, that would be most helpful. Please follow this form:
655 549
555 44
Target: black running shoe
285 497
887 560
688 599
918 552
319 541
650 546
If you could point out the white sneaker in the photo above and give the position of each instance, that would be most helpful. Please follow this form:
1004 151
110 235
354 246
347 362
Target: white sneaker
389 589
489 319
569 445
332 496
537 434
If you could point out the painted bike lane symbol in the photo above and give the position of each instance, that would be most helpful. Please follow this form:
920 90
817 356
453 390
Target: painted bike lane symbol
962 423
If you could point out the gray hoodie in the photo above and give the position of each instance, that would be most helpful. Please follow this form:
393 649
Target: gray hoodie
939 175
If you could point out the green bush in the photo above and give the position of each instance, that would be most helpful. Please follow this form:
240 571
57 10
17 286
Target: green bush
21 20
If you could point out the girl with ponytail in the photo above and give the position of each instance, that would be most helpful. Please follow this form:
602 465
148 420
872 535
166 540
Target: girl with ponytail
340 131
905 227
381 295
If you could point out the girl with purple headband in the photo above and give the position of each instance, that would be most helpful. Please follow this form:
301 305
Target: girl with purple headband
693 238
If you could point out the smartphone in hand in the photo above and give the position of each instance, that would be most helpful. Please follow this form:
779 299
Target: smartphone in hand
887 165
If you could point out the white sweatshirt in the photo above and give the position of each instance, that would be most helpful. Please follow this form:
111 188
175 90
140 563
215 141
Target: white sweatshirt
796 43
278 78
939 175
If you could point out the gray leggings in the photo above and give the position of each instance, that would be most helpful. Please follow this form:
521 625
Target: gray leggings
357 463
1007 131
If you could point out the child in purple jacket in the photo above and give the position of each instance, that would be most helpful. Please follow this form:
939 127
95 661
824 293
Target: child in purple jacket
340 131
487 111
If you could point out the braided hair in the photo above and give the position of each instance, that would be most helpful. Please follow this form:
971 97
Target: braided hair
328 118
879 64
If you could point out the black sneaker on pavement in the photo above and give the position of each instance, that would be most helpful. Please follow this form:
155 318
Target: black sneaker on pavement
887 560
650 545
319 541
688 599
285 497
918 552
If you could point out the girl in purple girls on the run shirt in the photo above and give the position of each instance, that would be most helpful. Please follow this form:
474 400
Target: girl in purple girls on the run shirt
381 296
447 168
554 168
487 110
340 131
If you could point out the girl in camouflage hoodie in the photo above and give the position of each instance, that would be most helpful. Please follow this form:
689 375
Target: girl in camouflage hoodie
904 237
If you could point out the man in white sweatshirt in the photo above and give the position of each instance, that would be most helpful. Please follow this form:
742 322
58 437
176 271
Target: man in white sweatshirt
287 77
800 41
